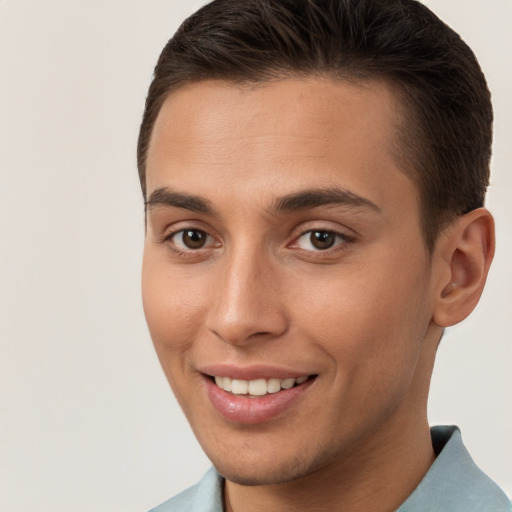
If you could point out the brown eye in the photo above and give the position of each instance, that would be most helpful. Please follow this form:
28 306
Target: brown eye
322 239
187 239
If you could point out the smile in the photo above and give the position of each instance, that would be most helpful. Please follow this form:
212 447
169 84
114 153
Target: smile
256 400
257 387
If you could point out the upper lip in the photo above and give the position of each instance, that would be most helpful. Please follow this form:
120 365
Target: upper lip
252 372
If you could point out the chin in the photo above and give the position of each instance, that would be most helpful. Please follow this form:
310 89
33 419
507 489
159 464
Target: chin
270 475
247 469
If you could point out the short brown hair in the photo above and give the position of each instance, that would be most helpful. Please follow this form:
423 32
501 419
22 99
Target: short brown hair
448 132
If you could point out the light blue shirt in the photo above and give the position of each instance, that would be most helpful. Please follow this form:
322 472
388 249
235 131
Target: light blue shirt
453 484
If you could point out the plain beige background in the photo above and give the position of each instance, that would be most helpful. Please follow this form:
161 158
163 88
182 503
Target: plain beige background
87 422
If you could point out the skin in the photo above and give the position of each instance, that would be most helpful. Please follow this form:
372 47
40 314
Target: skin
365 315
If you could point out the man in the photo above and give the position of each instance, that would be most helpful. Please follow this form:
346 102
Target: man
314 173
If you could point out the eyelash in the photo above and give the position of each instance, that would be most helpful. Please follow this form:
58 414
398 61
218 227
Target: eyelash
339 244
188 252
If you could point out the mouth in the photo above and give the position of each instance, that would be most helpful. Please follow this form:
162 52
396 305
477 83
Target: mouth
256 394
259 387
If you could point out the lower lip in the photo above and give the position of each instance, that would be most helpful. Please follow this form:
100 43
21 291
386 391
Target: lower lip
241 409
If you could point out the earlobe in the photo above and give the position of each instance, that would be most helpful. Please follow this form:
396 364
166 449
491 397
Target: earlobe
466 250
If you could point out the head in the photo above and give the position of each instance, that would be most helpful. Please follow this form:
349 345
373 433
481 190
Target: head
445 131
313 173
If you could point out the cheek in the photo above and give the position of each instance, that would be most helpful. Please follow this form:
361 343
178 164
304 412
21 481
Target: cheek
368 320
172 308
173 315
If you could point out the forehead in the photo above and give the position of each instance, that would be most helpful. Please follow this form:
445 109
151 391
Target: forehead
289 133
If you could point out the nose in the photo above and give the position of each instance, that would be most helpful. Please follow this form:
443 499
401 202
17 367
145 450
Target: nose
247 304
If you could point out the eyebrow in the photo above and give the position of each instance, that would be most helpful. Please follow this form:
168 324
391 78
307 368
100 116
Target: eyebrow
301 200
313 198
163 196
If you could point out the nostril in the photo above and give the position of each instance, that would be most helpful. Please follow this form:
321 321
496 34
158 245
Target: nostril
259 334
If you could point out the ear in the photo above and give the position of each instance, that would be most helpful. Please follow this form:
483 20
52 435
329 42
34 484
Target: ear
465 252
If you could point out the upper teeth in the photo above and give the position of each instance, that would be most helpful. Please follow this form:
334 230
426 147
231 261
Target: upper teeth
258 387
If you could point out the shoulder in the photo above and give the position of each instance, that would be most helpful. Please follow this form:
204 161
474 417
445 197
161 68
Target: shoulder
454 482
205 496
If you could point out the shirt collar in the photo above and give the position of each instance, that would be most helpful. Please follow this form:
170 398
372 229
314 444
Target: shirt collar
454 483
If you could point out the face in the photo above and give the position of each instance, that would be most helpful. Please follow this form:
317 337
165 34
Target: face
286 283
